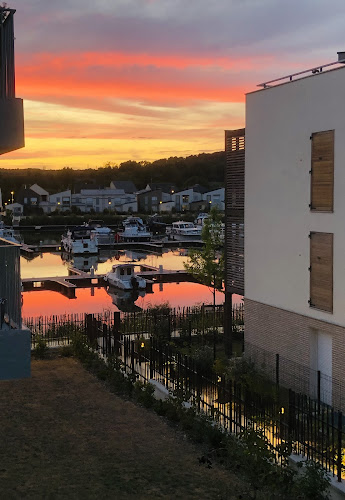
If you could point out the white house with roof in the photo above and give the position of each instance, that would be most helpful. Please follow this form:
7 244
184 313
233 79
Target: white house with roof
58 201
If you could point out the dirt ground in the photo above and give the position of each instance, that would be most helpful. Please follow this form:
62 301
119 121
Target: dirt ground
64 435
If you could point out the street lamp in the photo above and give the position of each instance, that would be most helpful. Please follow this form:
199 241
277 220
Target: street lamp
12 195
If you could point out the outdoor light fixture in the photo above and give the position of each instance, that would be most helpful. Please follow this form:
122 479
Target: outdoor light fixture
142 344
282 410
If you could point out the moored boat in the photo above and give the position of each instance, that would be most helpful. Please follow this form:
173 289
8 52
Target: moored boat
134 229
185 229
7 233
123 276
79 240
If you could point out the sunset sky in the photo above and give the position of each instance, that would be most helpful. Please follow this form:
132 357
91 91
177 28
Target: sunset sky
113 80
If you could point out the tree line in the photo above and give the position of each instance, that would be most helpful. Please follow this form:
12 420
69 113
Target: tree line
206 169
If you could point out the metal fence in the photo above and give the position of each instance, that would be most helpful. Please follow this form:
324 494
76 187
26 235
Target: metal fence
291 422
163 322
288 419
296 376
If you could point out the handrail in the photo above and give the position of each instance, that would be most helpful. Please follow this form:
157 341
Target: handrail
314 70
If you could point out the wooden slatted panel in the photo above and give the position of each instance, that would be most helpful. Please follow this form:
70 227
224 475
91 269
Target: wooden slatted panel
234 210
322 171
321 271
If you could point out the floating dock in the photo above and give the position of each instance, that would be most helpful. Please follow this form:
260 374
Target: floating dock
67 285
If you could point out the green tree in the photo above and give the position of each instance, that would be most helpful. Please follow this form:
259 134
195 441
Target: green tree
207 264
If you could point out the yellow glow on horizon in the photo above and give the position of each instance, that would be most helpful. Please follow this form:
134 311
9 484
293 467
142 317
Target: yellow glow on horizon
59 136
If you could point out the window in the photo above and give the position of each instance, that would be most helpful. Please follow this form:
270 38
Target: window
321 271
185 198
322 171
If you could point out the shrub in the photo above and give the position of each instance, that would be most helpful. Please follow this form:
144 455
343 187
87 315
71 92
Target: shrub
313 482
40 350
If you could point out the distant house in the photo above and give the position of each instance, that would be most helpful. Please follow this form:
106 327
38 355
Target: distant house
127 186
58 201
183 199
165 187
16 210
32 196
149 200
215 198
98 200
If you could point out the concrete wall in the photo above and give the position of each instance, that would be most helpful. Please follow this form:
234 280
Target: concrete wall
10 283
15 354
279 123
11 125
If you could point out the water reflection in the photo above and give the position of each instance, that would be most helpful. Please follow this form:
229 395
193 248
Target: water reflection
125 300
56 264
95 299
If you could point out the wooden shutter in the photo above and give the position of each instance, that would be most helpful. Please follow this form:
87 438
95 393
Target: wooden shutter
321 271
322 171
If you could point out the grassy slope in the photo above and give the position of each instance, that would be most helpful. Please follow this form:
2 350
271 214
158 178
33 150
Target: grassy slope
63 435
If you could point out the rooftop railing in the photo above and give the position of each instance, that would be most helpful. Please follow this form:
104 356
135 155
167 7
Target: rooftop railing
300 74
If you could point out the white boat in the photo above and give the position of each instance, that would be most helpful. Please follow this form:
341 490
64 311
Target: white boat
79 240
102 233
134 229
185 229
200 220
123 276
7 233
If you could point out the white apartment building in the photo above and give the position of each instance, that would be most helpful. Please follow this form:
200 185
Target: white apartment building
295 223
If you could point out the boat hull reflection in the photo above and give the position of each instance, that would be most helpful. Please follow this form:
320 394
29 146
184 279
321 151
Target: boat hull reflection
124 300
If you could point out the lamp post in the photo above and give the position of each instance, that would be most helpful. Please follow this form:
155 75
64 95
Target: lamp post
12 196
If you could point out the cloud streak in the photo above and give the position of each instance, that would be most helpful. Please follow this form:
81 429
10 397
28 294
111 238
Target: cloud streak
142 78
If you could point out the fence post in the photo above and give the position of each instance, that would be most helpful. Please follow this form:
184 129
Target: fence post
291 418
105 339
132 355
151 358
340 437
319 386
277 369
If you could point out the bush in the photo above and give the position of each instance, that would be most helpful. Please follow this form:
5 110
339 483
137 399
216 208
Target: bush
40 350
203 357
313 483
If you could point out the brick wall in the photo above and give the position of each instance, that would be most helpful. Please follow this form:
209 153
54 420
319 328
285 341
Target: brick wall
271 330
